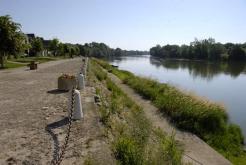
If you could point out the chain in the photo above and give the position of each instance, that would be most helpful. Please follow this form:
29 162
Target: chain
193 159
59 157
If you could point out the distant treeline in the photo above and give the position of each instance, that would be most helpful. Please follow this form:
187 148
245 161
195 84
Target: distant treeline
102 50
206 49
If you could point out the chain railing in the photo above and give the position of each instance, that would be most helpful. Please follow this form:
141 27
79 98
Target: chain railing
60 155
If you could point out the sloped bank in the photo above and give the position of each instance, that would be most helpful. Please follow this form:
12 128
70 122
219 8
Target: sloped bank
207 120
134 139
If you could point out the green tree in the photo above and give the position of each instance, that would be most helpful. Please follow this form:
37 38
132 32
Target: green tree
155 51
74 51
184 51
54 45
216 51
36 46
61 49
236 53
67 49
12 40
82 50
118 52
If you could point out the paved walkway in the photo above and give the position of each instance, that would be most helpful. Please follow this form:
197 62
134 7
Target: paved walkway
196 151
29 102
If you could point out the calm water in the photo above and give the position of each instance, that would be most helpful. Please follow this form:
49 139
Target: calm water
220 82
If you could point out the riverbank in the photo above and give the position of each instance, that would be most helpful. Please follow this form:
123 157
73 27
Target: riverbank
134 139
209 121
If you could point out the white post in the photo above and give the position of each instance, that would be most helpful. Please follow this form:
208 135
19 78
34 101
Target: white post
86 61
85 69
77 113
81 81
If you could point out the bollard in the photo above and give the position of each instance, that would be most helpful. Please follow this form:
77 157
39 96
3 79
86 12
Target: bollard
84 70
83 59
84 67
81 81
77 113
87 64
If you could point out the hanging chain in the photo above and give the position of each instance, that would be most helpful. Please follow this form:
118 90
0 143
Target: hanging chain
60 155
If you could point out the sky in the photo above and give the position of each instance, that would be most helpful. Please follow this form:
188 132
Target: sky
130 24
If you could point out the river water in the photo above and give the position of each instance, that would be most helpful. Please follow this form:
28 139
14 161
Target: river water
224 83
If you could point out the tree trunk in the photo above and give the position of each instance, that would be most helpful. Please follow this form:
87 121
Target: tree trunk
2 60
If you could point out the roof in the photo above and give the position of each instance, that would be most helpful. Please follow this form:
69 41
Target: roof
46 43
30 35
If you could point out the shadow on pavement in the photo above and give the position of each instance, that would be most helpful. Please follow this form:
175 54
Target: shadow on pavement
49 128
56 91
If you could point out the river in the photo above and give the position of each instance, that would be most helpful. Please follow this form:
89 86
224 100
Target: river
224 83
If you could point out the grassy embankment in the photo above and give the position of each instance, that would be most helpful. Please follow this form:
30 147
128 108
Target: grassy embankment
207 120
134 140
20 62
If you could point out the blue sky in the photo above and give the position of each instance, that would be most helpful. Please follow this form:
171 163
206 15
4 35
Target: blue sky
131 24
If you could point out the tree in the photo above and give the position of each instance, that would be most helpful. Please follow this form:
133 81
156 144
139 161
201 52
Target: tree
12 40
67 49
236 53
54 45
74 50
118 52
184 51
216 51
37 46
155 51
61 49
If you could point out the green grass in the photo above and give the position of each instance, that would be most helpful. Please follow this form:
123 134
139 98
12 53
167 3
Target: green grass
9 65
37 59
136 141
239 160
207 120
100 75
24 61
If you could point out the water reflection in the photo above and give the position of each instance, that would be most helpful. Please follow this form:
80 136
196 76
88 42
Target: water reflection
218 81
202 69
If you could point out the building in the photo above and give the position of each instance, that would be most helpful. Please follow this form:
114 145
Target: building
30 37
